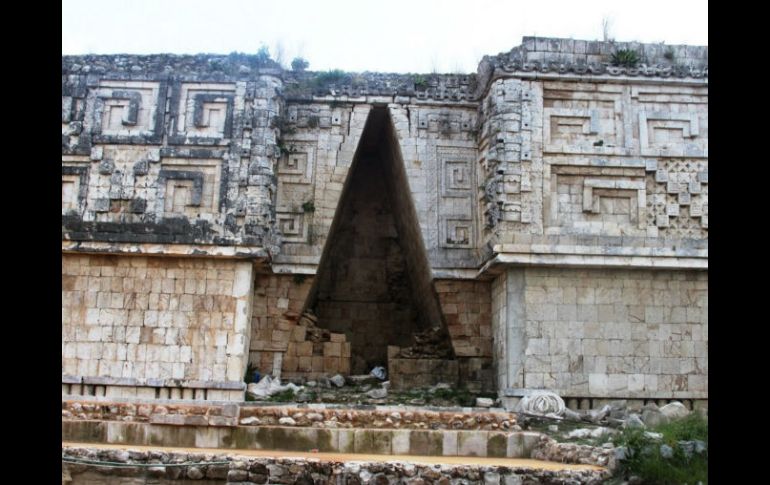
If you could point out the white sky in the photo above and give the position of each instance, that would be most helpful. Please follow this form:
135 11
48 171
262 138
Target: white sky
385 35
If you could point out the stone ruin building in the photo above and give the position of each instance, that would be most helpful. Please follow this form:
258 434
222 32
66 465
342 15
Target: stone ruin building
540 224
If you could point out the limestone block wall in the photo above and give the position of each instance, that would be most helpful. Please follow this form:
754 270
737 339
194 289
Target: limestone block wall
466 306
146 322
544 50
275 328
603 332
277 304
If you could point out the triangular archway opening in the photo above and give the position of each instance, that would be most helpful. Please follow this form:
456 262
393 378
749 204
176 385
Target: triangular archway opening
374 282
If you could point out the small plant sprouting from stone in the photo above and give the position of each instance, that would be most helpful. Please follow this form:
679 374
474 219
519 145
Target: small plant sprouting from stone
281 123
669 54
420 82
299 64
308 206
625 58
299 279
282 148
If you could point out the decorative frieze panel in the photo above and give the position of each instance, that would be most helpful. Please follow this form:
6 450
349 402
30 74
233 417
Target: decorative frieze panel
677 203
189 187
313 117
127 111
458 233
598 197
445 122
119 181
614 197
456 209
669 134
293 226
294 199
71 118
297 164
579 119
205 112
74 187
507 161
672 121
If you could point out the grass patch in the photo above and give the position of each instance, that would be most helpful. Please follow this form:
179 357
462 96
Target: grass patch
692 427
283 396
645 460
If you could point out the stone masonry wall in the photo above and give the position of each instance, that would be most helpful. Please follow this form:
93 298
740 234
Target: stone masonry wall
169 149
284 343
548 156
436 142
609 333
278 302
466 306
155 322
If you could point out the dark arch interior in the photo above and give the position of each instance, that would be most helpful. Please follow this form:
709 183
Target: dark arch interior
374 281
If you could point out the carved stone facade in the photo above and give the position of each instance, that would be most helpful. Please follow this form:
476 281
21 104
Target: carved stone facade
547 215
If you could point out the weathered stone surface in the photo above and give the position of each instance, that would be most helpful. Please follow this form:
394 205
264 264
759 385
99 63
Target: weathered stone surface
653 417
338 380
377 393
634 421
541 403
516 185
674 410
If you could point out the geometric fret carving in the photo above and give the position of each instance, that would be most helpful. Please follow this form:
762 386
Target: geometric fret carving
127 110
204 112
189 187
607 197
74 187
679 193
459 233
456 182
594 190
293 227
445 122
665 133
579 119
565 122
295 191
456 178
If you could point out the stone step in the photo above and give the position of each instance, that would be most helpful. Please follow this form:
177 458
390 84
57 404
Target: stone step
308 415
479 443
227 467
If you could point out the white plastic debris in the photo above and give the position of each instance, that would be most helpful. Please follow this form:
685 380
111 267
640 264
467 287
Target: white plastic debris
268 386
379 372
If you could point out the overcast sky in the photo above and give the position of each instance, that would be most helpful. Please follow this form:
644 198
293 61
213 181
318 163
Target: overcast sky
361 35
